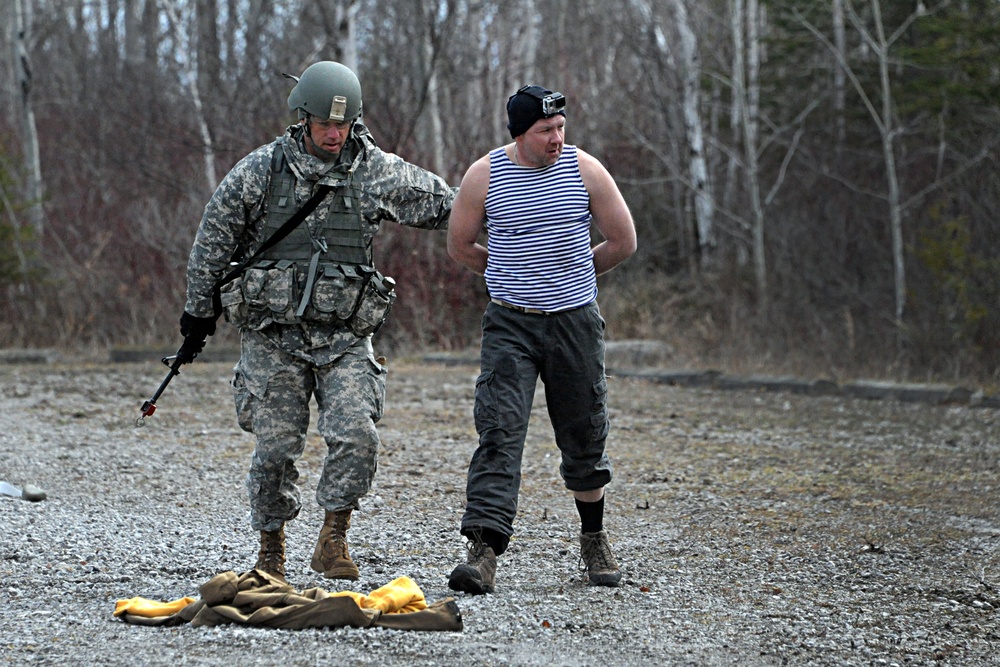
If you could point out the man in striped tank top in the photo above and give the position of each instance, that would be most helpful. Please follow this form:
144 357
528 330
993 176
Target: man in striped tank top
537 199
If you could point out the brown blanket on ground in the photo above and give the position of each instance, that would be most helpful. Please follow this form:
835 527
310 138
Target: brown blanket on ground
256 599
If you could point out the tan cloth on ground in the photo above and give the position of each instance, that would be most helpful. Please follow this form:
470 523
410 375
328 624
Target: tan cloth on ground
257 599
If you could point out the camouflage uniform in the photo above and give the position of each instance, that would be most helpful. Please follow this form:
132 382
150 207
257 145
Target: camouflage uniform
283 365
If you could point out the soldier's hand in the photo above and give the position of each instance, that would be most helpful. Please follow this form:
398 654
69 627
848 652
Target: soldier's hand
195 330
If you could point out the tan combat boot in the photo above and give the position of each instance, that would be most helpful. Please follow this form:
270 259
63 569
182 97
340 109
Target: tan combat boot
331 557
271 558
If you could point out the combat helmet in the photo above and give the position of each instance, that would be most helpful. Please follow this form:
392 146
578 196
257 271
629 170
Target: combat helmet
326 90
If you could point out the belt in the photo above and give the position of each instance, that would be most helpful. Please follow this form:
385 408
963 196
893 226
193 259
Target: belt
522 309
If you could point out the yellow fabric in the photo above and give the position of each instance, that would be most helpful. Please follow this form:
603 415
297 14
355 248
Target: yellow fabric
400 596
150 608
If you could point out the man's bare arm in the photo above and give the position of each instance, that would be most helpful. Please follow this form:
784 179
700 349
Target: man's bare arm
468 214
611 215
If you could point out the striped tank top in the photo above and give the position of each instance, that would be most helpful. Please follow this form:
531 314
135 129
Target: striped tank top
538 227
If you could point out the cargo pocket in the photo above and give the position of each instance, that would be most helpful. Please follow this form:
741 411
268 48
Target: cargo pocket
378 374
599 411
484 412
245 395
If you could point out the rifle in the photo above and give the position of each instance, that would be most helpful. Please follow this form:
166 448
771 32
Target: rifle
173 362
149 407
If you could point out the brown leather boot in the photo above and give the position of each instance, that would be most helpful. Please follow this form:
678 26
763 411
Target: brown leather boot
331 556
271 558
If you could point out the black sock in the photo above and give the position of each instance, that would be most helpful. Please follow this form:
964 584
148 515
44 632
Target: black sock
591 516
493 539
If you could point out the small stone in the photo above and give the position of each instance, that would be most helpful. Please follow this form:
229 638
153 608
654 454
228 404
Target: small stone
33 493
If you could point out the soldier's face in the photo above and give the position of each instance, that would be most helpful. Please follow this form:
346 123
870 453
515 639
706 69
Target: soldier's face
327 135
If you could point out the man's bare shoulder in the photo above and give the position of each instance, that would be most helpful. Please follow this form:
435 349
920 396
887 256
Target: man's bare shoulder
595 174
588 162
479 167
477 176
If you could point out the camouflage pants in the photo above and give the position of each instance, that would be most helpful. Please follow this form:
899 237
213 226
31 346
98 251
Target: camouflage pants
273 390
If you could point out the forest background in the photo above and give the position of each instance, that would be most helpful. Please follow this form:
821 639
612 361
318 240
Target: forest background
814 183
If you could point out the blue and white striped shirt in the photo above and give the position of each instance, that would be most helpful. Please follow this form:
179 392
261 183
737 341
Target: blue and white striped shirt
538 226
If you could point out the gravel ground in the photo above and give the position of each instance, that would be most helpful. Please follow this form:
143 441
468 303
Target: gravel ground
754 528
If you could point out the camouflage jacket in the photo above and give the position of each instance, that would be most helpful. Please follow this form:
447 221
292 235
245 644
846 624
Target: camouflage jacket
234 219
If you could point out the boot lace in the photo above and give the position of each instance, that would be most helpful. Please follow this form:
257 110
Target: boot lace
271 557
477 551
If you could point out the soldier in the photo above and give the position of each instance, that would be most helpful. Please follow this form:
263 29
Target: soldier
308 306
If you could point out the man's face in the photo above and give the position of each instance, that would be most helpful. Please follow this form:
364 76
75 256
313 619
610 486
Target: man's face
542 144
328 135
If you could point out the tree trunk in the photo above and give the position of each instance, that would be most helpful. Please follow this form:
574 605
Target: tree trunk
704 206
133 32
883 119
150 32
340 21
750 127
839 78
190 79
432 110
209 52
29 132
892 177
529 46
736 78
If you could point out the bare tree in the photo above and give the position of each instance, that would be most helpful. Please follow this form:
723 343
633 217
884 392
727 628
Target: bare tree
883 116
150 30
839 78
689 69
208 48
432 110
133 31
693 126
885 120
339 18
189 78
527 42
21 48
747 84
436 76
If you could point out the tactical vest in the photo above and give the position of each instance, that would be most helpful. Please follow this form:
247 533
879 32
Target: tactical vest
341 236
325 274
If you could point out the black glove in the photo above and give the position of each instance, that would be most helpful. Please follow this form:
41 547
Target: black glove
198 327
195 330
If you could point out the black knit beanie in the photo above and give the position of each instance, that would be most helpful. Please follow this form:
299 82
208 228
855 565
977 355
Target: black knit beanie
525 107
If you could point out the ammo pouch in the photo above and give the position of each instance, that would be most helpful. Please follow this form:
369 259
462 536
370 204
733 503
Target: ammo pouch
341 294
266 292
